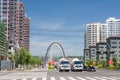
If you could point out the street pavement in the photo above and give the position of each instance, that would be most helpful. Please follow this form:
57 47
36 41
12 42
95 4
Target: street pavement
44 74
35 74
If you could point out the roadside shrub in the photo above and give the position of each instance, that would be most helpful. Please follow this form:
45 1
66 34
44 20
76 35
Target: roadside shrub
99 66
117 67
111 67
50 66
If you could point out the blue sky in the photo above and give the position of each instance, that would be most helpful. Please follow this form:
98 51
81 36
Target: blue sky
64 21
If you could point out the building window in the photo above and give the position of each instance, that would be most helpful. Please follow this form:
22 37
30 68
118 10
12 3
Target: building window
92 55
101 47
4 3
114 42
114 46
86 54
101 57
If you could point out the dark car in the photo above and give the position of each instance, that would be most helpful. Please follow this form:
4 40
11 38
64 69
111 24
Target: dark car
91 69
85 68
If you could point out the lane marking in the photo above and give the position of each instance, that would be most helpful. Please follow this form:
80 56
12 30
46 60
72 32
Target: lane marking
109 78
71 78
52 78
115 78
90 78
44 78
61 78
81 78
100 78
34 79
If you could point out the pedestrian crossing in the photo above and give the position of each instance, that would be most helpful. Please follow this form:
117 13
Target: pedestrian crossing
82 78
70 78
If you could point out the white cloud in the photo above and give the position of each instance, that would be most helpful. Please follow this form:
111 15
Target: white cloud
39 47
39 43
51 26
47 25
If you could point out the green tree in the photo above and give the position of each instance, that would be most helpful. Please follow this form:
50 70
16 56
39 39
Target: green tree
103 63
114 61
28 58
25 59
89 62
22 56
36 60
11 57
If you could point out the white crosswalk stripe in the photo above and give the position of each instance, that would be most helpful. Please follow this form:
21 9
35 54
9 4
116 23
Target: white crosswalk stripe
100 78
81 78
34 79
52 78
44 78
90 78
115 78
71 78
110 78
62 78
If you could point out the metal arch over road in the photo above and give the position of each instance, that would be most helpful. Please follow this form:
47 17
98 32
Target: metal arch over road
58 45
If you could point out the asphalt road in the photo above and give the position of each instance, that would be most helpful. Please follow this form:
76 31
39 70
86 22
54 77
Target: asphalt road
43 74
98 75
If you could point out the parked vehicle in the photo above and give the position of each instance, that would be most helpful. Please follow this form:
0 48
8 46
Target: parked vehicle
85 68
64 65
76 65
91 69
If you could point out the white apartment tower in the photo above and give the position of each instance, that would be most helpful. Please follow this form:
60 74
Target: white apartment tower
113 27
103 32
97 32
92 34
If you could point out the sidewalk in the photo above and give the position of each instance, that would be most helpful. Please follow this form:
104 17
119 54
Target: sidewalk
15 70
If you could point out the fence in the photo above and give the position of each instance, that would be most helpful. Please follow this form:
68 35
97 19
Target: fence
4 64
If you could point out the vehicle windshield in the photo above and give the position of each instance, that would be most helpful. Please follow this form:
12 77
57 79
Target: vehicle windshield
77 62
65 62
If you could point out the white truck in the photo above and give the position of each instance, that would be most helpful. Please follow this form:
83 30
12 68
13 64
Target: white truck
76 65
64 65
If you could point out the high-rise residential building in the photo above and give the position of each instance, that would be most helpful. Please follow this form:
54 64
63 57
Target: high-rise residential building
93 55
23 29
103 33
113 46
86 55
105 37
113 27
4 7
92 34
26 32
3 42
13 15
101 50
